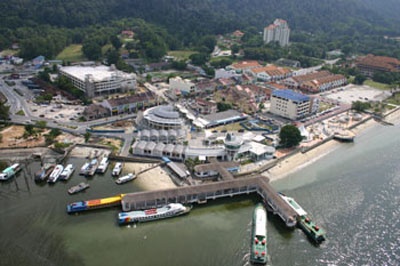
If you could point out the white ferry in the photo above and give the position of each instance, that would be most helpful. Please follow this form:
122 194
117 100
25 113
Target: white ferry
67 172
125 178
103 165
117 169
84 168
55 174
167 211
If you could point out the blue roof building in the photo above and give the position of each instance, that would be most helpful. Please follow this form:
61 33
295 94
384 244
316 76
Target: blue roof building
290 104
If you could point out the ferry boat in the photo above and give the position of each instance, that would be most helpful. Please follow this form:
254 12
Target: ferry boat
313 231
258 252
94 204
125 178
44 172
55 174
78 188
103 165
117 169
167 211
11 171
67 172
84 168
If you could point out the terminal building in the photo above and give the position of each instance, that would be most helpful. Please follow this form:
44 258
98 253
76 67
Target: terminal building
99 80
162 117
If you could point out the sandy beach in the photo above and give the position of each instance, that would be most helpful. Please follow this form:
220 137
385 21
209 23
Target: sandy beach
153 179
301 160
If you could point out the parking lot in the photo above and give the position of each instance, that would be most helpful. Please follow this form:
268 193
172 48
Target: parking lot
352 93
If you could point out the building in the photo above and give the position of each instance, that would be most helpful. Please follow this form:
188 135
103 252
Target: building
129 104
316 81
220 118
95 111
277 32
99 80
185 86
290 104
270 73
204 107
243 66
160 117
371 64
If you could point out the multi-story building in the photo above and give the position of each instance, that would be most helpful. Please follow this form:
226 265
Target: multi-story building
270 73
370 64
315 82
99 80
204 107
243 66
129 104
279 31
290 104
185 86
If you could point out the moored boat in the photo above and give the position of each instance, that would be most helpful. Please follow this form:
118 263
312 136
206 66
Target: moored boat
11 171
258 252
117 169
125 178
103 165
91 169
78 188
67 172
55 174
167 211
84 168
304 222
44 172
86 205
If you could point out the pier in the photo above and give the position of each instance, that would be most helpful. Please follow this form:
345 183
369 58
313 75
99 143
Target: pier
202 193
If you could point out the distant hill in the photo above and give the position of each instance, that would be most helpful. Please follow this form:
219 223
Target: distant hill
210 16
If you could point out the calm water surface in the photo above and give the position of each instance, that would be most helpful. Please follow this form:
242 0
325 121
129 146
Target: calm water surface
353 193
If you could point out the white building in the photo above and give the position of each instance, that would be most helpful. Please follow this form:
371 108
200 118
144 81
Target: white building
99 80
184 85
278 31
290 104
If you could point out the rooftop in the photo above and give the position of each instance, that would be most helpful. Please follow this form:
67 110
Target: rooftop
290 95
99 73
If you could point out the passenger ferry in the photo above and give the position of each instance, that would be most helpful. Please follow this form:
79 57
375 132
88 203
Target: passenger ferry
11 171
67 172
258 252
91 169
117 169
103 165
304 221
44 172
94 204
55 174
125 178
167 211
78 188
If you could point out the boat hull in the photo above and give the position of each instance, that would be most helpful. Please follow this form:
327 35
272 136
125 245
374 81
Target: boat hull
152 215
258 254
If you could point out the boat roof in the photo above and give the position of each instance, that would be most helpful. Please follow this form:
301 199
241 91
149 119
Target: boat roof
261 220
294 205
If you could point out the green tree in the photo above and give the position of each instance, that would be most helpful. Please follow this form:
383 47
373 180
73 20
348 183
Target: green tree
223 106
91 50
289 136
359 79
116 42
360 106
4 111
87 136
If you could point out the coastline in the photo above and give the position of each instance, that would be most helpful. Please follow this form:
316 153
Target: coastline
300 160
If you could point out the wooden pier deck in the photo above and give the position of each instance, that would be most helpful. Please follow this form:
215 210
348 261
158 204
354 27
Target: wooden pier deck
205 192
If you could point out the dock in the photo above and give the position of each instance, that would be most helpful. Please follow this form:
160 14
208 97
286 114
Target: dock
202 193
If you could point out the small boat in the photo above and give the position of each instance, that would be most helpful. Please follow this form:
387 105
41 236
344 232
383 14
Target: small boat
44 172
91 169
55 174
259 236
103 165
117 169
125 178
11 171
84 168
167 211
78 188
67 172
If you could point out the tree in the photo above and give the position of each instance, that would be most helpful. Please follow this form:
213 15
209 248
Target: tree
4 111
290 136
360 106
359 79
87 136
116 42
223 106
91 50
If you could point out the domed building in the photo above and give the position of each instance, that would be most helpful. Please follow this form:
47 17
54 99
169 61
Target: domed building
232 145
160 117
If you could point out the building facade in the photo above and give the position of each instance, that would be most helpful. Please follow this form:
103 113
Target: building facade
279 31
99 80
371 64
185 86
289 104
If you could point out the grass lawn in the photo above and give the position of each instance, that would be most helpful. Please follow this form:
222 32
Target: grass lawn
181 55
8 52
377 85
229 127
72 53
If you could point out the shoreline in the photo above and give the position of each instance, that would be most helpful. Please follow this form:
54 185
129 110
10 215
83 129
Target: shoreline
300 160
